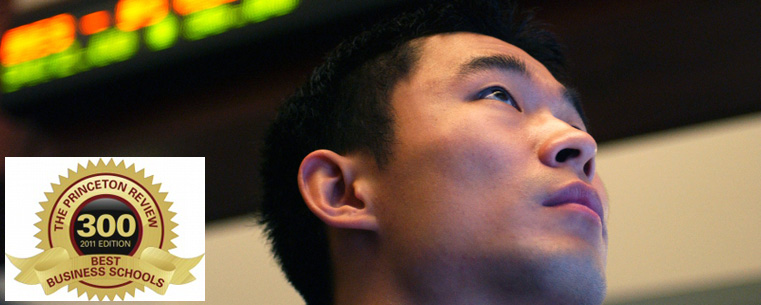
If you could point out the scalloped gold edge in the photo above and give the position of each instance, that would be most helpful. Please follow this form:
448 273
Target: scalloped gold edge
101 167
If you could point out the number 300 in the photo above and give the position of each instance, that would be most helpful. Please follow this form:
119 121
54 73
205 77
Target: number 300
113 225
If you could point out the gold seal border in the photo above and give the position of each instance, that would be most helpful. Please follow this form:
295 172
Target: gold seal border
101 168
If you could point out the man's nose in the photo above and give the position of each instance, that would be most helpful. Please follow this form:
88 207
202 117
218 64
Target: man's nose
573 148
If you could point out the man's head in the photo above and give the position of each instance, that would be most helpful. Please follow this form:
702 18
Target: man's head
442 144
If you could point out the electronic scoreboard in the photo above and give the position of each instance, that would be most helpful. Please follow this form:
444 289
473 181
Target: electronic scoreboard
80 42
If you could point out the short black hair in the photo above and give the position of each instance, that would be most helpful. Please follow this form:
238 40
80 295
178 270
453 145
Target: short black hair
345 108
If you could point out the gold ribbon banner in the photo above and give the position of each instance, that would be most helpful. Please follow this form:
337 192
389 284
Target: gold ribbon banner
153 267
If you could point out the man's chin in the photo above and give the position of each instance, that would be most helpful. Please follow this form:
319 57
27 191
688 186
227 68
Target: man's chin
576 279
573 275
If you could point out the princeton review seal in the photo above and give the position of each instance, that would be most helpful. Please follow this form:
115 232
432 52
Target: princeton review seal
105 230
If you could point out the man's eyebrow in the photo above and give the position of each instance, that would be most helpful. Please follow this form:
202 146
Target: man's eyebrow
500 62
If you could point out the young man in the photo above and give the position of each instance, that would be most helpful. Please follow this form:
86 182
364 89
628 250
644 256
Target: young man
438 159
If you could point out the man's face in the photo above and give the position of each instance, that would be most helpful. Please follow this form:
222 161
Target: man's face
492 171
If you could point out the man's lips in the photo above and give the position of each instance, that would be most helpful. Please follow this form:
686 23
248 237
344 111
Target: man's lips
578 193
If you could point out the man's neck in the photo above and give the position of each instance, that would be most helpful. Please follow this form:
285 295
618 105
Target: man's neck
371 289
380 281
368 275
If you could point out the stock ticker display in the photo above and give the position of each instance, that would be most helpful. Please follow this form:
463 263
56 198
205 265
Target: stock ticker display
70 43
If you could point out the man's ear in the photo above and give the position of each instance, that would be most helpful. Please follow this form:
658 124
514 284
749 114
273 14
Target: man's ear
328 183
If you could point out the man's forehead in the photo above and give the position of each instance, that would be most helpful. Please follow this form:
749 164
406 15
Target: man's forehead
457 44
451 53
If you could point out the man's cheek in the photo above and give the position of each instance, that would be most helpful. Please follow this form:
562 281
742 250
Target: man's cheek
486 162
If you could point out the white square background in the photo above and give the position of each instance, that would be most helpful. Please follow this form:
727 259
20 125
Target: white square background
28 179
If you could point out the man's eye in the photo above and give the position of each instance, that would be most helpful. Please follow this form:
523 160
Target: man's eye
499 94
